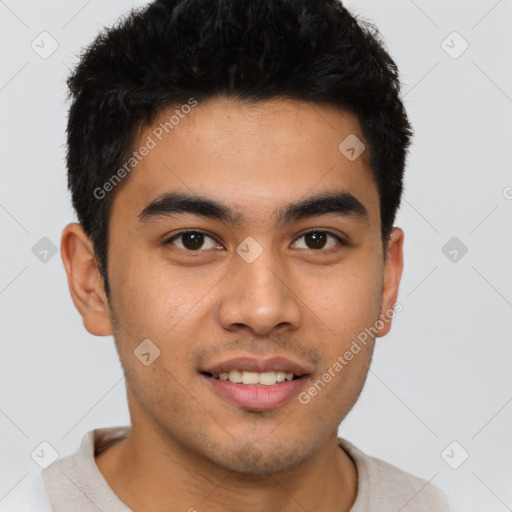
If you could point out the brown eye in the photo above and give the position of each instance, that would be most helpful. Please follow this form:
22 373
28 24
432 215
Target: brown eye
319 240
192 240
315 240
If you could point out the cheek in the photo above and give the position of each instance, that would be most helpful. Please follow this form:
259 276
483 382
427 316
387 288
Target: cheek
347 300
154 301
148 299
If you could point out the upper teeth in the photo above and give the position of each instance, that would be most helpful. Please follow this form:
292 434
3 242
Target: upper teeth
265 378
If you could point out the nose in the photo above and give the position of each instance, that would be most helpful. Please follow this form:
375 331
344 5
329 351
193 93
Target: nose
259 296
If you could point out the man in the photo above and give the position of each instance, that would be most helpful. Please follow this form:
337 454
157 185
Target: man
236 167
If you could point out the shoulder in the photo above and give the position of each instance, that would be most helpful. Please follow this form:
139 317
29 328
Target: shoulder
30 497
384 487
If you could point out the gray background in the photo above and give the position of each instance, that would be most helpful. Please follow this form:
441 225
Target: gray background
441 375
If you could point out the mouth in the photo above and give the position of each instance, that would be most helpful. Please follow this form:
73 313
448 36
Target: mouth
254 378
256 385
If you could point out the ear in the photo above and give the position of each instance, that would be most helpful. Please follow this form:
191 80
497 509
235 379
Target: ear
84 280
393 267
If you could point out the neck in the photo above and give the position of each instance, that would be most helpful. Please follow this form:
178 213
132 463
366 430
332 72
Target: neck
149 473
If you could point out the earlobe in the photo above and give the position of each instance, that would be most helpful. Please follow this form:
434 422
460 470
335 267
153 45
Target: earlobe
392 274
84 280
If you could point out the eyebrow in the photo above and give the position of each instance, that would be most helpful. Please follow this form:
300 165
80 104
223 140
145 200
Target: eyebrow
337 202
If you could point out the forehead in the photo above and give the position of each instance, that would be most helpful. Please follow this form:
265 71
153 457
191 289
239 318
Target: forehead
254 157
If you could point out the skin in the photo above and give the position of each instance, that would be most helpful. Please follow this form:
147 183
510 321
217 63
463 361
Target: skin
189 447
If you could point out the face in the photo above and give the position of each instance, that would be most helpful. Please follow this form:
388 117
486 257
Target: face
246 280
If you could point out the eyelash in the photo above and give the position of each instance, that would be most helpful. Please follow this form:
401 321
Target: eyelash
324 251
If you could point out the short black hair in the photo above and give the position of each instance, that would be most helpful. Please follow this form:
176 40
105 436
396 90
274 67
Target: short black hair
170 51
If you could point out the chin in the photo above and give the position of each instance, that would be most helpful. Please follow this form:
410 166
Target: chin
266 459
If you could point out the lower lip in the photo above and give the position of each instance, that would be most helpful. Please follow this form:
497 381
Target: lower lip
256 398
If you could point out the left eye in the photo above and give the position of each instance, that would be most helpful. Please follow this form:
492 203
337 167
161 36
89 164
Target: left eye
317 240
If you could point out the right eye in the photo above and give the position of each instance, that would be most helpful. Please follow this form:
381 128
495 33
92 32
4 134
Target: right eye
191 240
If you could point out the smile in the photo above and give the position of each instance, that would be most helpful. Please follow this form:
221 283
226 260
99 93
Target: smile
257 378
255 396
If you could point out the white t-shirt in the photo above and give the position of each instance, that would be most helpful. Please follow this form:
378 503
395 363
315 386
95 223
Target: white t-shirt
75 484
